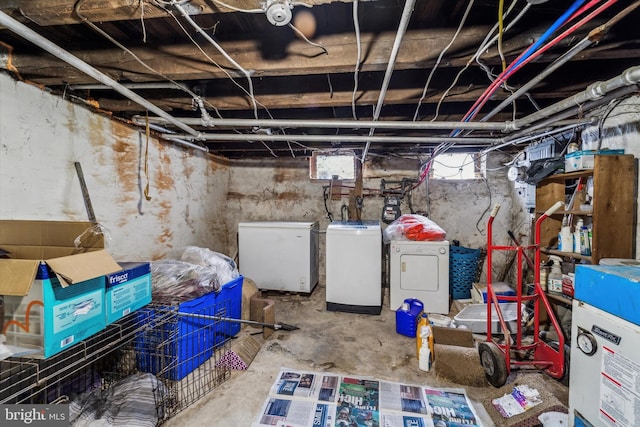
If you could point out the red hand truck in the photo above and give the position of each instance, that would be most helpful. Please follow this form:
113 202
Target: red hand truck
499 357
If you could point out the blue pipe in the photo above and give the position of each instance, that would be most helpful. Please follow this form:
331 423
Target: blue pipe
559 22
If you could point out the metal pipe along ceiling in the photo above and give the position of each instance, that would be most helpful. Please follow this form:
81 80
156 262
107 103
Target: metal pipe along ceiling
402 29
343 124
74 61
594 92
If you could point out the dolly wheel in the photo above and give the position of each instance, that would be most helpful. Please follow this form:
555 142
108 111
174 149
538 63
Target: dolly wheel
494 363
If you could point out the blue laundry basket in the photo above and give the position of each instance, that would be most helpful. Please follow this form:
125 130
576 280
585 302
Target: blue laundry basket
464 270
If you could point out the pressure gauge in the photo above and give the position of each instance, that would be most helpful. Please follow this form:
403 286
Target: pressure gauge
587 342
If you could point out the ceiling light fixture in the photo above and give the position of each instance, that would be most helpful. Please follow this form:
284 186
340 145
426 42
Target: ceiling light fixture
278 12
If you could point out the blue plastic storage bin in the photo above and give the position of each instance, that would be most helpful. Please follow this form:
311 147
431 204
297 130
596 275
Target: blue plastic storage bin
181 338
464 268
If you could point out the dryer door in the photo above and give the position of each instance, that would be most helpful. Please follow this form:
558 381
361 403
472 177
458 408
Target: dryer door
419 272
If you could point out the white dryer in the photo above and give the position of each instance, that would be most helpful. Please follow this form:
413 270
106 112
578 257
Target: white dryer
419 270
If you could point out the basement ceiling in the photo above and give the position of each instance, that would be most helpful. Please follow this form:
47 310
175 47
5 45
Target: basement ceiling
239 74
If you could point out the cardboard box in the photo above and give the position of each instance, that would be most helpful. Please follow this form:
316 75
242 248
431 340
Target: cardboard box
173 349
127 290
581 160
54 292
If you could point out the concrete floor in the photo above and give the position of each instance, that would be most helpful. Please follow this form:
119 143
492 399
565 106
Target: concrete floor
363 345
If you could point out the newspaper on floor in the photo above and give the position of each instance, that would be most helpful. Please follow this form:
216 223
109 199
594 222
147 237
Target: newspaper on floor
321 399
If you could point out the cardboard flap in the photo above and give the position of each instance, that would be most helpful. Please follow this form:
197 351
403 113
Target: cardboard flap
16 276
81 267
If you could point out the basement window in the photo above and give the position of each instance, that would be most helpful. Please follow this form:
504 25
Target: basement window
456 166
339 166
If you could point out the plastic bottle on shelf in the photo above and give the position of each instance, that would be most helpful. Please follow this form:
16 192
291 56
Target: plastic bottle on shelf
565 239
554 281
576 236
585 241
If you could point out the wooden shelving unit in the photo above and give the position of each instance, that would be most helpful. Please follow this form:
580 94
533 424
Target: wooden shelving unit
612 217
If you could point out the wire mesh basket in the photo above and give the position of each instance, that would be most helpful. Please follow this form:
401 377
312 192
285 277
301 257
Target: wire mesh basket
182 351
465 266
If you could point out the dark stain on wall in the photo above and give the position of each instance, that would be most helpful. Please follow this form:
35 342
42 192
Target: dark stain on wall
164 177
125 159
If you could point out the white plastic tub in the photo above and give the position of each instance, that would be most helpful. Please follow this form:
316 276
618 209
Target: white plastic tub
474 317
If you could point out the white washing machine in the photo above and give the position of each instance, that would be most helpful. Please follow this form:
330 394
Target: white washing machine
604 380
354 267
419 270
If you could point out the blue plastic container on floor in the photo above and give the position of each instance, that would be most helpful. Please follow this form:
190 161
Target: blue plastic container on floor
407 317
173 349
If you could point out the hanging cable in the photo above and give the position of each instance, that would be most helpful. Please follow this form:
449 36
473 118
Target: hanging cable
301 34
99 30
500 31
146 157
356 27
402 29
529 55
228 6
198 29
195 43
433 70
483 46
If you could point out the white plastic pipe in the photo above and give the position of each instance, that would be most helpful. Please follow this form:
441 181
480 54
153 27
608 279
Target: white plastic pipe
595 91
402 29
338 138
38 40
342 124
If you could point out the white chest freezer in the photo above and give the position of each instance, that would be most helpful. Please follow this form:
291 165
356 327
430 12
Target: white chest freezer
279 255
354 267
419 270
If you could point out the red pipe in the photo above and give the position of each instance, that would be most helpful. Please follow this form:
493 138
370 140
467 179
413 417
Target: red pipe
482 100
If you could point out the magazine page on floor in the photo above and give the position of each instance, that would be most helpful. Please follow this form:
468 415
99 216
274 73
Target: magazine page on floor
322 399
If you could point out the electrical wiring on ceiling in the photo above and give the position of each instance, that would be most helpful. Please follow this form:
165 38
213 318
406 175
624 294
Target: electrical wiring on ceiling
99 30
199 30
446 48
483 47
490 75
208 57
356 27
228 6
533 52
301 34
593 36
500 32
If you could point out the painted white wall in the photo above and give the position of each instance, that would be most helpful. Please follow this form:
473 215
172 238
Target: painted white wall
41 136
